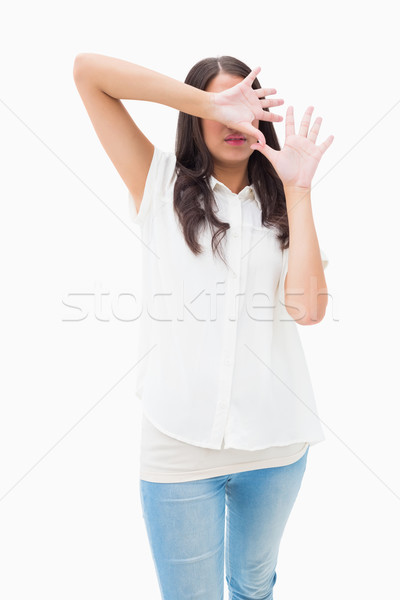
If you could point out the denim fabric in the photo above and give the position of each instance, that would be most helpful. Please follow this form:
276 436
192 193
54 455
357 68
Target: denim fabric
192 540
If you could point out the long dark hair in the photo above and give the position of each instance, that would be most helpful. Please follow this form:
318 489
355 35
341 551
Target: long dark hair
193 196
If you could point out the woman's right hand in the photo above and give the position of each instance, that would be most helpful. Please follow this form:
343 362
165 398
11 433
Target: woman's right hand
238 106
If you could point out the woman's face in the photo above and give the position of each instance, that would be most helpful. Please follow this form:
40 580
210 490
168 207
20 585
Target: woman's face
214 133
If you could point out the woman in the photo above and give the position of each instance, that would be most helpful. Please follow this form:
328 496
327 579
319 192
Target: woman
228 406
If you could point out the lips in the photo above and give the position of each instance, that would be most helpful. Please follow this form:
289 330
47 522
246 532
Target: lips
235 137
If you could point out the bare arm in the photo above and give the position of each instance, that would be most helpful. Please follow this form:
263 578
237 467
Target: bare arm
306 292
102 81
125 80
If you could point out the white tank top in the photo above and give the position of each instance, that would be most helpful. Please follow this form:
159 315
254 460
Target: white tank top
164 459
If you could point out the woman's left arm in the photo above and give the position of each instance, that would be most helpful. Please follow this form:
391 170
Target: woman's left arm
306 293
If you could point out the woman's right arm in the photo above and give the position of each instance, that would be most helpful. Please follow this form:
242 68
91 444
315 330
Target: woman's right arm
102 81
125 80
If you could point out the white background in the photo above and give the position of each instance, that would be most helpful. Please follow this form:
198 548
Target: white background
70 514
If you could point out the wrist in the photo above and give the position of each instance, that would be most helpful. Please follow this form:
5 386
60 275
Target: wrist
209 106
297 196
296 189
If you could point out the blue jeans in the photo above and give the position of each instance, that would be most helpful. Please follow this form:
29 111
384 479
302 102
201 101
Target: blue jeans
185 524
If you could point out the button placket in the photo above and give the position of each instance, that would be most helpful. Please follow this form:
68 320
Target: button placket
230 325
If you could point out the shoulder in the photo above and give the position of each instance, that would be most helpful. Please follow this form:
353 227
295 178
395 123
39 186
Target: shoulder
158 187
162 168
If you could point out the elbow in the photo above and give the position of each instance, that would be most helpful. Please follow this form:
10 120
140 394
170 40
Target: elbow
312 321
314 317
307 319
80 64
308 313
77 67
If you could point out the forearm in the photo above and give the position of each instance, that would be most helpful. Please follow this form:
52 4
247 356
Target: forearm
305 289
125 80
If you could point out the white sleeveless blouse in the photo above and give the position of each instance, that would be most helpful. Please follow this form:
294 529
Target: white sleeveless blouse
221 374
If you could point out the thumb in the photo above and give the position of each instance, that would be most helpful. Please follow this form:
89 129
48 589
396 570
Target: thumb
253 132
266 150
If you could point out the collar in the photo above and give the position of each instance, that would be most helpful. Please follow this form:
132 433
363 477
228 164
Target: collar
247 192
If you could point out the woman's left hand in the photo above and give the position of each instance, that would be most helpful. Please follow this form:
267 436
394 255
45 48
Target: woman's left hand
298 160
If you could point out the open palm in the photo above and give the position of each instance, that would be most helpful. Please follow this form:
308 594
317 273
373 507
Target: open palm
298 160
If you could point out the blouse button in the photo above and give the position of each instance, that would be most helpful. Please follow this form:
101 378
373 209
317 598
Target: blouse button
235 234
